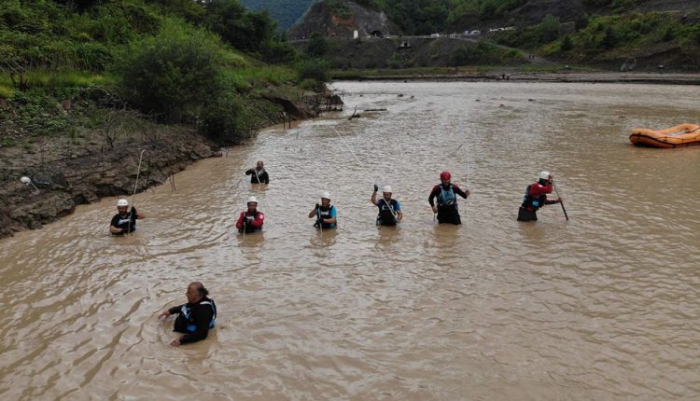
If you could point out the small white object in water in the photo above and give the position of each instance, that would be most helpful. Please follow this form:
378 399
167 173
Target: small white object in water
26 180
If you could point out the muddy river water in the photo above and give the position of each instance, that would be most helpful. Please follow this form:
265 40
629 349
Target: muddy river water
604 306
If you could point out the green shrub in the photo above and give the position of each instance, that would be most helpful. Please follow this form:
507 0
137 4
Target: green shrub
172 74
225 119
313 69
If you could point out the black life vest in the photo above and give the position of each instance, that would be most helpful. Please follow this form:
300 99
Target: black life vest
387 212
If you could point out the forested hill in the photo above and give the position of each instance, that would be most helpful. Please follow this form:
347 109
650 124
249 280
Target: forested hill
422 17
285 12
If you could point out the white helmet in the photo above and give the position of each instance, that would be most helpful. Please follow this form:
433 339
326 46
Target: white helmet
326 195
387 188
122 203
252 199
544 175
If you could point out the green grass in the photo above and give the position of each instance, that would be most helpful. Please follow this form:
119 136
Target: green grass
6 92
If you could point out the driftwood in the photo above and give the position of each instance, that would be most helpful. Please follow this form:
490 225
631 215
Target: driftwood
374 110
354 114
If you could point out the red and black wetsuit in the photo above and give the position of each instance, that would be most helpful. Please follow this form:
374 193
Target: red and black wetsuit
250 222
535 198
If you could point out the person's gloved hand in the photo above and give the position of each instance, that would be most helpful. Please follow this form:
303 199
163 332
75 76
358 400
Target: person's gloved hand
318 206
319 221
376 188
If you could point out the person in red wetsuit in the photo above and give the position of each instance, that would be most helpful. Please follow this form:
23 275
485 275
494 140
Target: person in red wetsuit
251 220
536 197
446 207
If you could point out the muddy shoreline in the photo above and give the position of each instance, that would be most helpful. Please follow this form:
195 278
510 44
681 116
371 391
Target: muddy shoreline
64 175
564 77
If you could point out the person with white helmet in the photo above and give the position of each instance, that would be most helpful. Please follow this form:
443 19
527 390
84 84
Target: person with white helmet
390 212
124 222
251 220
326 214
446 208
536 197
258 174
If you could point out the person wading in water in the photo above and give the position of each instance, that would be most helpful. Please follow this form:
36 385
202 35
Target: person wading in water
390 212
446 208
536 197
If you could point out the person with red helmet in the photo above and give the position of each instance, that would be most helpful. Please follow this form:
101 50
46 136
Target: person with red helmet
536 197
446 207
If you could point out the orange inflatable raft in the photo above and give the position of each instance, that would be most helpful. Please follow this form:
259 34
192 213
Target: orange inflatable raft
679 136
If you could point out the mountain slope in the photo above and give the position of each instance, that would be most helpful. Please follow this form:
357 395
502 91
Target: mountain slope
285 12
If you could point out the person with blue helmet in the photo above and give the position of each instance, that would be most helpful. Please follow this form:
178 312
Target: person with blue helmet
195 318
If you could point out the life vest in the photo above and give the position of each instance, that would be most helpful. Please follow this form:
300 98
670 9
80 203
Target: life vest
186 312
325 214
128 223
446 196
387 212
536 195
249 218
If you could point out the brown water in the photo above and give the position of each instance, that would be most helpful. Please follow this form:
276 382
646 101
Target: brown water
604 306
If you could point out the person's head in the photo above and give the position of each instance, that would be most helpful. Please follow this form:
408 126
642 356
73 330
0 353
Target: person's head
445 177
325 199
252 203
122 205
259 165
545 177
386 192
196 291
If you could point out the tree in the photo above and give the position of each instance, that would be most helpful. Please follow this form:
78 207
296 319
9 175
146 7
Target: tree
172 74
549 28
566 44
317 45
610 39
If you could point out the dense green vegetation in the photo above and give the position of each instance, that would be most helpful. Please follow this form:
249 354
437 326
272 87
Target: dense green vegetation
615 37
176 61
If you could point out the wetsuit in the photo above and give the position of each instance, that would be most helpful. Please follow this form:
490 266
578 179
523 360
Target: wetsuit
261 174
325 213
387 212
250 222
195 319
126 222
447 203
535 197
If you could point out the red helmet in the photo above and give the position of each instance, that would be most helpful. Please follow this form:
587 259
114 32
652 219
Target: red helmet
445 176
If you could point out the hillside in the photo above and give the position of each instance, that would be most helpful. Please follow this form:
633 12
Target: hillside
607 34
87 86
285 12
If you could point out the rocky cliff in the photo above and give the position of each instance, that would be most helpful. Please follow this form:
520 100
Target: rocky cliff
340 20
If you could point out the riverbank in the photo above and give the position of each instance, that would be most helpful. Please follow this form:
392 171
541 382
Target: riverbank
523 76
82 165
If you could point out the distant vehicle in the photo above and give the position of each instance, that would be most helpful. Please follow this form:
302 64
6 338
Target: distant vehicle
435 35
475 32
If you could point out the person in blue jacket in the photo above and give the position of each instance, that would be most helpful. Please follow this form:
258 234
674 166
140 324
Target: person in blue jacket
195 318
